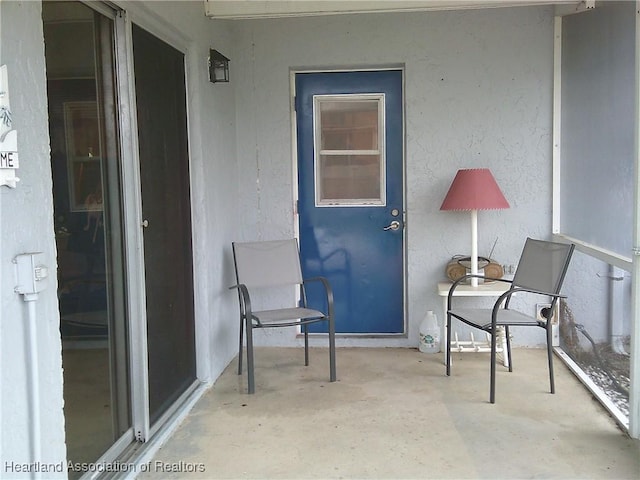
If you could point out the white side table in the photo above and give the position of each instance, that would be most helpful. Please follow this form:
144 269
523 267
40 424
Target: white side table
493 289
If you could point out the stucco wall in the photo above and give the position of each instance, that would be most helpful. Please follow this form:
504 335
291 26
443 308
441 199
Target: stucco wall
478 94
26 225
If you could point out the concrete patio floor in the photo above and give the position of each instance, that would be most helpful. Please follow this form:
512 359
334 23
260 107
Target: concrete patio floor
394 414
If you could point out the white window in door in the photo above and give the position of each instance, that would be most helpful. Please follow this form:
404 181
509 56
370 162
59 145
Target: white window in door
349 150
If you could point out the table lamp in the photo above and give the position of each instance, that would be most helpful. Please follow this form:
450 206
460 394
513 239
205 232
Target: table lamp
474 189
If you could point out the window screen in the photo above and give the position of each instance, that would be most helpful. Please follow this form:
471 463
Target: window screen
349 150
597 148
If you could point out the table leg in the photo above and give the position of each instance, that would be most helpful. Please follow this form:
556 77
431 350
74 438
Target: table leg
502 338
443 336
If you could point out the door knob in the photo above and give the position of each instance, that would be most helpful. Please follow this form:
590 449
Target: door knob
145 223
395 225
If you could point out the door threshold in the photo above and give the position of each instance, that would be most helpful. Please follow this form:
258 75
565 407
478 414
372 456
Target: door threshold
141 455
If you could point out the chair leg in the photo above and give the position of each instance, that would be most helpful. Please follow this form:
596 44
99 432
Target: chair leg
250 376
448 346
550 357
332 350
492 392
306 345
508 339
240 348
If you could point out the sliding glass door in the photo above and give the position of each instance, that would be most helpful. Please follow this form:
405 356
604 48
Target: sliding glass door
120 165
85 163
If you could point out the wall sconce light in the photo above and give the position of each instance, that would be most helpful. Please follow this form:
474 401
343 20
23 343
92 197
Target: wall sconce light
218 67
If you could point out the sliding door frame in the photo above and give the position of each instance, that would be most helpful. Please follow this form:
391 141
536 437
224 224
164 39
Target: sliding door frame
132 215
133 218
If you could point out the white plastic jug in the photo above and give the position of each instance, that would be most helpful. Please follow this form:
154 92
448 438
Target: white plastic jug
429 334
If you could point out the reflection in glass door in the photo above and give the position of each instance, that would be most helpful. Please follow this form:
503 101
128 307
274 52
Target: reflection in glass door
85 162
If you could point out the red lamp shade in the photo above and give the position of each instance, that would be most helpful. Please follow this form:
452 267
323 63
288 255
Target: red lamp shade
474 189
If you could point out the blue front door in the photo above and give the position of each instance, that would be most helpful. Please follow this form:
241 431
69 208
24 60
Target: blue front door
351 201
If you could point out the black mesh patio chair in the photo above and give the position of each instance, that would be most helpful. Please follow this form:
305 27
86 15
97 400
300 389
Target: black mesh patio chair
540 271
271 264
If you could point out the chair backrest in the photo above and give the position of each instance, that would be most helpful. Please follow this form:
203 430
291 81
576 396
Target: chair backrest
267 263
543 265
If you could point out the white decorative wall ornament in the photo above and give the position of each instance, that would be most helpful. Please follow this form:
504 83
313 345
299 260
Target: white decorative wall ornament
8 136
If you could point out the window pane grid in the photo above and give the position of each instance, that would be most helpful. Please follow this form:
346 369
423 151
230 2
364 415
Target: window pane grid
349 150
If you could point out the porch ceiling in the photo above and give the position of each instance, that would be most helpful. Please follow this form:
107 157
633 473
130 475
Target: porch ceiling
238 9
